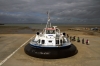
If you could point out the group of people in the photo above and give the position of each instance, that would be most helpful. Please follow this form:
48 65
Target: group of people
78 39
87 41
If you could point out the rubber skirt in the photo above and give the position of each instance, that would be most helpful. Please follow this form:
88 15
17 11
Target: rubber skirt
50 52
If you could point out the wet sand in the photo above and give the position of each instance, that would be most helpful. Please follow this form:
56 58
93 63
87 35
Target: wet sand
88 55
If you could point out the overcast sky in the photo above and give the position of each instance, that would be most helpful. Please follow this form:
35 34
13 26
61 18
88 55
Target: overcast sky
61 11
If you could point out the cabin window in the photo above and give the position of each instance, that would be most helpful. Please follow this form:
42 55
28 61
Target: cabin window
50 31
57 41
50 41
39 40
43 41
61 41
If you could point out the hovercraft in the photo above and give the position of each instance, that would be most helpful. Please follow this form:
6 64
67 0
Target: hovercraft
50 44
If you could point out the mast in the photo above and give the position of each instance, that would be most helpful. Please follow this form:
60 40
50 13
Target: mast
48 25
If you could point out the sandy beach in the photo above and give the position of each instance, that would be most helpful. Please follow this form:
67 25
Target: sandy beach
12 37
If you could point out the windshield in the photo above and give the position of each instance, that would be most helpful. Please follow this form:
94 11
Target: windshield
50 31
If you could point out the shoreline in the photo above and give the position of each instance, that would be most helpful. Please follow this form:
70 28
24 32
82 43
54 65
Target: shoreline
83 30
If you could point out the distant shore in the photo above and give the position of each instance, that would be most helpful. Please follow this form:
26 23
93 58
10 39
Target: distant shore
34 28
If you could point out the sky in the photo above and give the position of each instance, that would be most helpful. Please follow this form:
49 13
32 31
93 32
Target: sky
61 11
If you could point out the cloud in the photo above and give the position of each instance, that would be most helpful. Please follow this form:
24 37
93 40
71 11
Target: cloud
65 11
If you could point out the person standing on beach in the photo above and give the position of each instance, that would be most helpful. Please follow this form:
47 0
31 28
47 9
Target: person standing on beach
67 35
83 41
87 42
78 39
70 38
74 38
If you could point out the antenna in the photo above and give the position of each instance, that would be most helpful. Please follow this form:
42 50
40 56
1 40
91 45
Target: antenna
48 25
